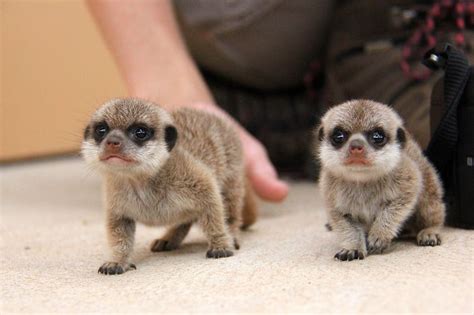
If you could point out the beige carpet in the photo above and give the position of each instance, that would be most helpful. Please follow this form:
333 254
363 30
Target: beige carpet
52 243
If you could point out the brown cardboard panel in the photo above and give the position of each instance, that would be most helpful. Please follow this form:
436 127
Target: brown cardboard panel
55 70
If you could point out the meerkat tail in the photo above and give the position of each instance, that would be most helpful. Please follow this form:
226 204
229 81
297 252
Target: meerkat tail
249 211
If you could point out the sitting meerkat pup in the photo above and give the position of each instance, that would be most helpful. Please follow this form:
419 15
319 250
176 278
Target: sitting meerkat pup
375 180
171 169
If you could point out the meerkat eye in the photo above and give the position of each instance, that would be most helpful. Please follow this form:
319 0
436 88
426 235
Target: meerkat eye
100 131
140 133
338 137
378 137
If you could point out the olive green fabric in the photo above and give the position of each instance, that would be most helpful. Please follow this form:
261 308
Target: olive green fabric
265 44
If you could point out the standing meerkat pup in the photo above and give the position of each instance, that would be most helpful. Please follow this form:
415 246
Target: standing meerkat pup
375 180
171 169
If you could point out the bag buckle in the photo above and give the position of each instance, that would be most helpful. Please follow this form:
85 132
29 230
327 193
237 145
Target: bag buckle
435 60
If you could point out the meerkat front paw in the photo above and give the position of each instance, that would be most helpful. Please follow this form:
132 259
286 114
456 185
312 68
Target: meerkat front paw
161 245
219 253
428 237
377 244
114 268
349 254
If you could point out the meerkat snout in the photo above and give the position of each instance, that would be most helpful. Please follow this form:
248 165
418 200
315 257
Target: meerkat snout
357 147
113 143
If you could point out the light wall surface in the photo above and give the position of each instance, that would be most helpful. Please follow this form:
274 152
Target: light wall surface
55 70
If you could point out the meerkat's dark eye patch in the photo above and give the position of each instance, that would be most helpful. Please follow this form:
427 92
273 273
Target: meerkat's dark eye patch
321 133
377 137
87 132
338 137
100 131
401 137
140 133
171 135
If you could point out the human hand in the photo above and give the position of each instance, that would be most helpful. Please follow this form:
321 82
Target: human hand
260 171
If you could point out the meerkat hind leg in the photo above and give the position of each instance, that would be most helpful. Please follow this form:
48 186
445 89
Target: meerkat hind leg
430 224
429 237
235 232
430 219
172 239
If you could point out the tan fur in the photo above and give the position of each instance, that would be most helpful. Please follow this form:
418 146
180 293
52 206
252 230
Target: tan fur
200 180
368 206
250 211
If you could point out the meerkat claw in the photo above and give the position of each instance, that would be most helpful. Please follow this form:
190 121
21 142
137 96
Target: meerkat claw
378 246
160 245
349 255
219 253
113 268
428 239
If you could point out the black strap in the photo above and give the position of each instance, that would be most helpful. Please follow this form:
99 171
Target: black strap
443 143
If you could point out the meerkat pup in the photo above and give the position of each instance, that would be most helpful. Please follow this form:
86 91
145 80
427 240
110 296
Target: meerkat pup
172 169
375 180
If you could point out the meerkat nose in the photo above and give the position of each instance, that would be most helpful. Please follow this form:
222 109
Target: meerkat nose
114 142
356 146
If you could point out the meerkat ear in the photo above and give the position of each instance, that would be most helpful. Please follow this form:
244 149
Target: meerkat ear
320 133
401 137
171 135
87 131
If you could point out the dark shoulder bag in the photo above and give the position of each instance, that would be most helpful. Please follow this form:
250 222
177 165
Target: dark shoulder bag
451 148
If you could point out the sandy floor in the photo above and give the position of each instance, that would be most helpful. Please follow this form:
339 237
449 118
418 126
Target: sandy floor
53 241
